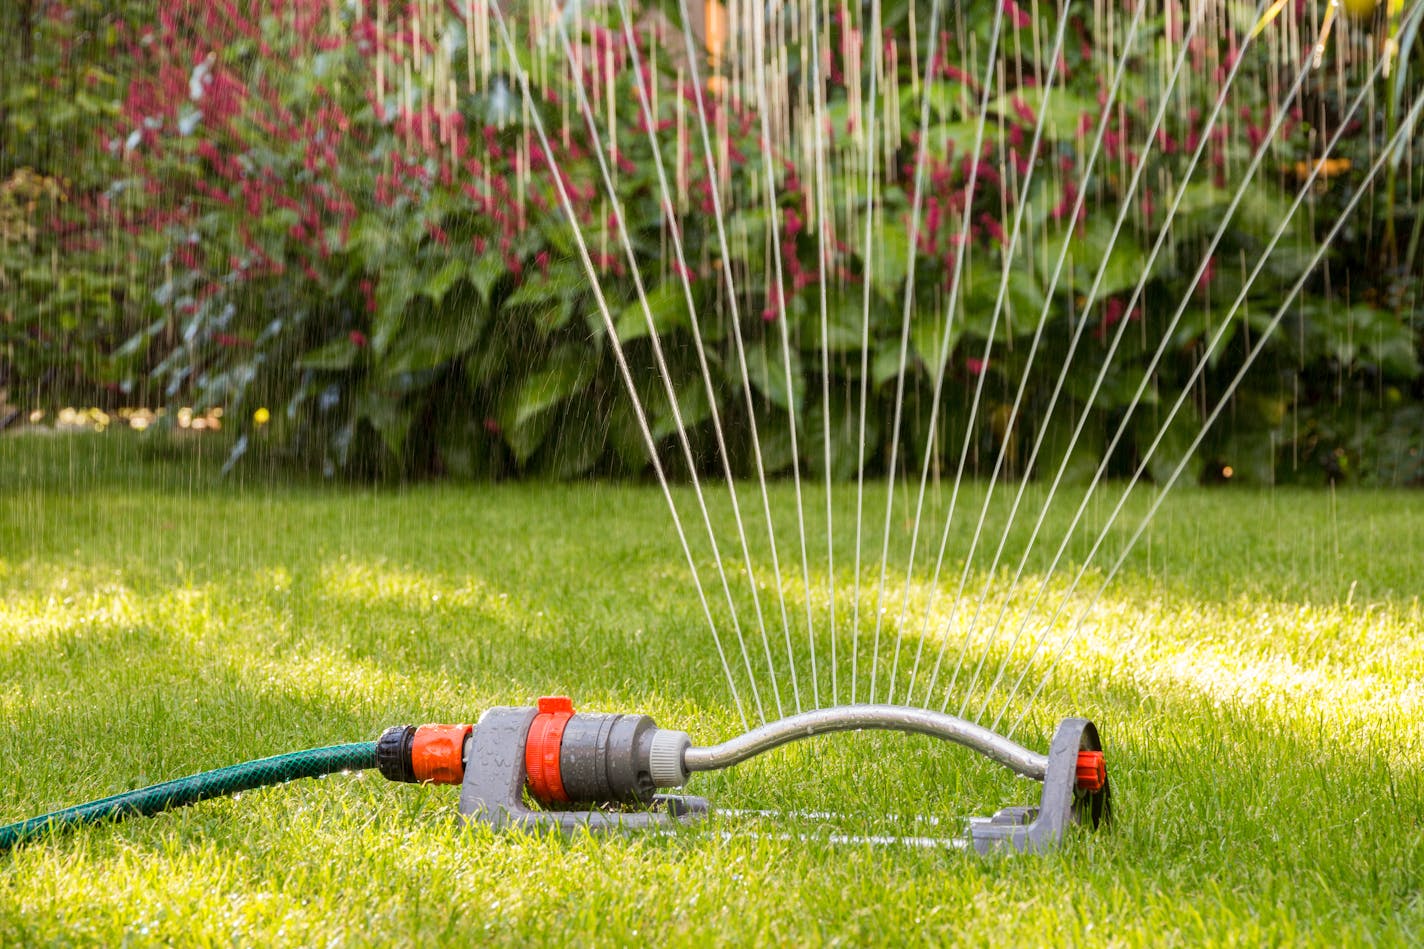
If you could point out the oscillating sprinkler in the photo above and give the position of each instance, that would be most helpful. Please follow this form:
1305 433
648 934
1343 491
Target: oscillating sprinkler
576 764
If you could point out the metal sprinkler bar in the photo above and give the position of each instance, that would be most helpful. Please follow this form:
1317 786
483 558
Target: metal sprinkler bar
590 759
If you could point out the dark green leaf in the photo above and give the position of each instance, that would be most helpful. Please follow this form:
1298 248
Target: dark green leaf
667 307
336 355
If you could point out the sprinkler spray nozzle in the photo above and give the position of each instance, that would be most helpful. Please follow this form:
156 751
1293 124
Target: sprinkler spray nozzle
1092 772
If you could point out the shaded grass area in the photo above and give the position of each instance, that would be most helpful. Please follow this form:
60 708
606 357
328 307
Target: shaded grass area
1256 673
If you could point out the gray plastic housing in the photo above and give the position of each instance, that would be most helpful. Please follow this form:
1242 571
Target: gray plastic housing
1040 829
493 790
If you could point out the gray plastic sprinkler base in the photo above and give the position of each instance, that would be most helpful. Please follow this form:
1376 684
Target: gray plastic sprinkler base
1040 829
493 789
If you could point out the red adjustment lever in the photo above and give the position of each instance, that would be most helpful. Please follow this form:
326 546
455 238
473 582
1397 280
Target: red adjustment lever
1092 771
541 748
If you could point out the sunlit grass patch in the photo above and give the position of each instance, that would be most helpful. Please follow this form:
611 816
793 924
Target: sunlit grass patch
1255 670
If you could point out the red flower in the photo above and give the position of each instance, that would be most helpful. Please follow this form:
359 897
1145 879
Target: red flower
1017 16
358 339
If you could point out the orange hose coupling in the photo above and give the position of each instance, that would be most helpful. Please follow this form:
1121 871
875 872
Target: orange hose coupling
541 750
437 753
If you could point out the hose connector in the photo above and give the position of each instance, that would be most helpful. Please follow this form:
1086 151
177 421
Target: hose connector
667 758
416 754
567 756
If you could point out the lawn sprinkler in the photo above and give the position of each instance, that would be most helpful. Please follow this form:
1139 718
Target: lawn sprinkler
603 772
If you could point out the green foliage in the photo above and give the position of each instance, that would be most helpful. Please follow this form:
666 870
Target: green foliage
73 287
392 274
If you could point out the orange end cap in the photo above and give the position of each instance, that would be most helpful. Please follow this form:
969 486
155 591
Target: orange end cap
1092 771
437 753
541 749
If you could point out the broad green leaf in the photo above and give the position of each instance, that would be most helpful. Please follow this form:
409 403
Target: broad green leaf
466 447
1121 270
1026 303
746 233
774 436
524 412
336 355
1200 198
440 282
541 292
766 367
445 334
496 358
845 435
927 339
890 259
958 135
370 240
393 293
948 98
388 415
1385 340
1120 261
692 406
582 436
844 322
885 365
485 272
1062 115
666 305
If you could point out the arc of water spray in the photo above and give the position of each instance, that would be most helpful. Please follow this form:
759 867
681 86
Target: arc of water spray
683 273
774 219
909 295
556 173
726 257
867 273
1010 252
1119 72
949 318
1116 341
956 283
625 240
1124 206
818 111
1160 352
1405 129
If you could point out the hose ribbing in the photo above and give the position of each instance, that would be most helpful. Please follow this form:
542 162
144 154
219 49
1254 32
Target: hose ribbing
312 763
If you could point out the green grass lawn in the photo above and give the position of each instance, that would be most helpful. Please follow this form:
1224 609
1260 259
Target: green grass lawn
1256 672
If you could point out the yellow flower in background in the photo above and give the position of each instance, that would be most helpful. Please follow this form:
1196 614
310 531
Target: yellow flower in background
262 416
1325 169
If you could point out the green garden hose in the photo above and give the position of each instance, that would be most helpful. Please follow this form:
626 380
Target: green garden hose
312 763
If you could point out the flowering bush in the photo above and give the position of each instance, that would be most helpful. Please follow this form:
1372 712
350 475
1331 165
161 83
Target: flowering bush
72 288
360 229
